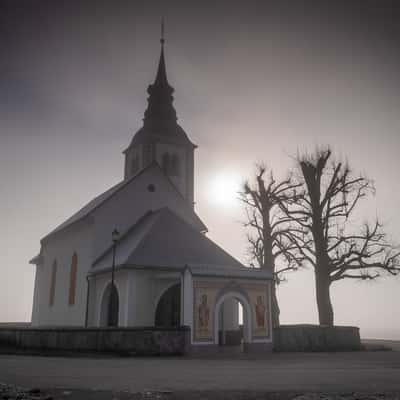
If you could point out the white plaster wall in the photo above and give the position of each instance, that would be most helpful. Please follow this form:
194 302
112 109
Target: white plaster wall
36 292
61 248
130 293
188 300
132 202
139 292
146 288
91 240
142 301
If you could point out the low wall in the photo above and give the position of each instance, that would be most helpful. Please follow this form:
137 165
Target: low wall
140 341
316 338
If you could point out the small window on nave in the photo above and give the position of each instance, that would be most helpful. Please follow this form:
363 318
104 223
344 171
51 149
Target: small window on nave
53 283
72 280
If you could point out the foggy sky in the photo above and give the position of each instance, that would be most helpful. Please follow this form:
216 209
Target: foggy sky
254 81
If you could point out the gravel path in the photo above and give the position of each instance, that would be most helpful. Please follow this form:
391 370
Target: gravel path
358 375
13 392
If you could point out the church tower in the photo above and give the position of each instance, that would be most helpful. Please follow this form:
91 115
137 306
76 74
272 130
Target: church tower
161 139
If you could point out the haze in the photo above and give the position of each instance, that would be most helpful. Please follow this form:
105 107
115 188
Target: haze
254 81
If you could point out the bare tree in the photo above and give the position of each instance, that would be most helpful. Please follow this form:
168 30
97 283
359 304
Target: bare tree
269 227
330 240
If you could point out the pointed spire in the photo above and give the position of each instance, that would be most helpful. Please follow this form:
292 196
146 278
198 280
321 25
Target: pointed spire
161 77
160 108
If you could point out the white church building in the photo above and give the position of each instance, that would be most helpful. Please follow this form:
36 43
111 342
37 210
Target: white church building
138 255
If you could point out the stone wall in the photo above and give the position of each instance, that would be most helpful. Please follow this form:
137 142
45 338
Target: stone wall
140 341
316 338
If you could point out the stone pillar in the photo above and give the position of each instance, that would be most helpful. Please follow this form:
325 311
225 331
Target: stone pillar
187 300
129 317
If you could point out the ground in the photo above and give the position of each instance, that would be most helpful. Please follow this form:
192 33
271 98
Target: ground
254 376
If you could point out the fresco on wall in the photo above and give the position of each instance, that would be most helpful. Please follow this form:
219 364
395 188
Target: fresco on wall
260 313
259 299
203 312
205 297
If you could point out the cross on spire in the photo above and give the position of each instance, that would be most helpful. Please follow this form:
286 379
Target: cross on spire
162 40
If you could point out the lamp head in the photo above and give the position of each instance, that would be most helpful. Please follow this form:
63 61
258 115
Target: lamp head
115 235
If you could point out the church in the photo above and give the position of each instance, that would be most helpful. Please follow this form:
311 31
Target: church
138 255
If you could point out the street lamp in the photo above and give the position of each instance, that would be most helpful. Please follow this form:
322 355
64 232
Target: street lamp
113 319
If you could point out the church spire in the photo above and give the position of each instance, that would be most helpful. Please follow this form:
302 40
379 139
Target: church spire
161 77
160 110
161 139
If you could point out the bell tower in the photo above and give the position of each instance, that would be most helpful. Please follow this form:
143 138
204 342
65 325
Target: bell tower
161 138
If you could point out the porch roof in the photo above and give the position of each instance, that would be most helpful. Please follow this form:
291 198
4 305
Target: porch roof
162 240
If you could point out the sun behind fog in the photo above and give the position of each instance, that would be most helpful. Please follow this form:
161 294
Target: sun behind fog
224 188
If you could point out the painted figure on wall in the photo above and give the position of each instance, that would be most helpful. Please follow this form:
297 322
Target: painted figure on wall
204 313
260 312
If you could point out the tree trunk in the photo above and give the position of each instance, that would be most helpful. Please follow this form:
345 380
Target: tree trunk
274 307
325 310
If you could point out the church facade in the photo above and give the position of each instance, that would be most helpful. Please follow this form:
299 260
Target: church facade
159 269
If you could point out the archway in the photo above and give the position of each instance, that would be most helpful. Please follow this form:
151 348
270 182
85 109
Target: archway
168 309
227 330
109 312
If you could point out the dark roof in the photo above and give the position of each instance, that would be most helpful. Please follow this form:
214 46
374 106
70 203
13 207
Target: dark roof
88 208
163 239
160 120
167 134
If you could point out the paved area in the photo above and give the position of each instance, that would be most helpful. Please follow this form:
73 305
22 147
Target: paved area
358 371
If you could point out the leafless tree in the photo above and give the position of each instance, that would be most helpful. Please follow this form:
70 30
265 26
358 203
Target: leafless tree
269 227
330 240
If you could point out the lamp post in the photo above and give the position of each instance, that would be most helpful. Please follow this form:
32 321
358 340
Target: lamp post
111 320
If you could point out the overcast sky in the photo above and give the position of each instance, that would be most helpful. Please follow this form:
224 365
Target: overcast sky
254 81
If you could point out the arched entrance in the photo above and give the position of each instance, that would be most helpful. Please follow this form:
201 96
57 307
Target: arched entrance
169 307
227 330
109 312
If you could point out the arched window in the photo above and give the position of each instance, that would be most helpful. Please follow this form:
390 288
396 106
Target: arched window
72 280
53 283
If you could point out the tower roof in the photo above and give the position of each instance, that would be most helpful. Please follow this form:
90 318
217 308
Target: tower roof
160 110
163 239
161 77
160 120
